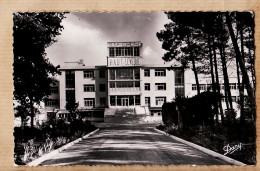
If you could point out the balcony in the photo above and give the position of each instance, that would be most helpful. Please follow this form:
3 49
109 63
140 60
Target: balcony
125 89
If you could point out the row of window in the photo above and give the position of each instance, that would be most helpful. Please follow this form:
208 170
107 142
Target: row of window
49 103
158 86
70 79
158 73
91 87
233 86
124 101
123 84
90 102
90 74
124 73
158 101
121 100
234 99
124 51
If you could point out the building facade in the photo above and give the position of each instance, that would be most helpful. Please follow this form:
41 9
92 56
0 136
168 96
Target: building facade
125 82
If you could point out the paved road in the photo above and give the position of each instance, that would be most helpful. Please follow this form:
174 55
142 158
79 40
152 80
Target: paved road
125 144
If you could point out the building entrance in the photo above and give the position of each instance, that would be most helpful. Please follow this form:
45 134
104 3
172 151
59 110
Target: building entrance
125 101
131 100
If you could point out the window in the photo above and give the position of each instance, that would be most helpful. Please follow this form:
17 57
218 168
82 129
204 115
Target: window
102 73
160 72
232 86
51 114
118 51
111 51
112 84
70 79
147 101
102 87
70 95
89 88
112 100
54 90
234 99
102 101
123 51
137 73
160 86
123 74
179 91
160 100
194 87
137 84
112 74
179 83
88 74
147 73
209 87
179 78
89 102
137 100
147 86
202 87
128 51
136 51
50 102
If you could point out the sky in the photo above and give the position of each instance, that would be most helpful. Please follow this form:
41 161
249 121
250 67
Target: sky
85 36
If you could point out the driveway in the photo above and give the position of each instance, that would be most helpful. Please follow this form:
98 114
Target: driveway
130 144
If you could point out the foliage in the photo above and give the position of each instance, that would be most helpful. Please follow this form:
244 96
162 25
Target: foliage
206 42
31 143
231 134
169 114
33 73
72 106
198 110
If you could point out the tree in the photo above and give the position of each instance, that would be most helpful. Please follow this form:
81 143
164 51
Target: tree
33 73
182 41
72 106
241 62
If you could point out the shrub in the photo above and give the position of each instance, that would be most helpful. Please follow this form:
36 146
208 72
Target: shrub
61 141
161 127
198 110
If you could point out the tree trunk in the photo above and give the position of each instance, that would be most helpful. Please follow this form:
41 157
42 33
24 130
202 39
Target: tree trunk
211 66
251 57
194 67
225 74
32 111
241 95
240 60
217 80
212 76
241 87
245 76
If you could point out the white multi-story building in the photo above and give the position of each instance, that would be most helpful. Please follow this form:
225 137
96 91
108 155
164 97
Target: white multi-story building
125 82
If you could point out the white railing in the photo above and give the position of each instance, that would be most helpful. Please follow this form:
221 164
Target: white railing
126 89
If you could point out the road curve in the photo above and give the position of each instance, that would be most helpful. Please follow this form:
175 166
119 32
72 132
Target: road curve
131 145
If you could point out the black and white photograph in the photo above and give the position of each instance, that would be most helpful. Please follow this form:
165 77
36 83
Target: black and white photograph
134 88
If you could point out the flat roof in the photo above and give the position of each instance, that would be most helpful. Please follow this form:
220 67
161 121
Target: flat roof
124 44
98 67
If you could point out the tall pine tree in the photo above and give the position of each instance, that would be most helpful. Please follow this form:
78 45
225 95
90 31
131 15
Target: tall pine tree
33 73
